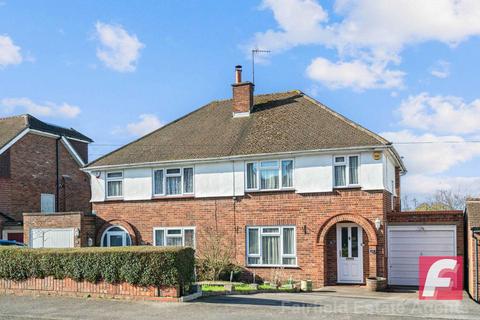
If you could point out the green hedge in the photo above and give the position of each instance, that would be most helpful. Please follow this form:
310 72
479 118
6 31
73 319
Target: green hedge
143 266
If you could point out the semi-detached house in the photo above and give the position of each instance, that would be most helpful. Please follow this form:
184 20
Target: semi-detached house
290 183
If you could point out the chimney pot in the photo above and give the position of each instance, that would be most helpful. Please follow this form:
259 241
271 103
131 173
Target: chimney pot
242 95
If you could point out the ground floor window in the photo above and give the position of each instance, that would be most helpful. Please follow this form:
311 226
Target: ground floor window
271 246
175 237
116 236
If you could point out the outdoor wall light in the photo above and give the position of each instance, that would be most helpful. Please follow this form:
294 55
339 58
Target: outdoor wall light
77 232
378 223
90 241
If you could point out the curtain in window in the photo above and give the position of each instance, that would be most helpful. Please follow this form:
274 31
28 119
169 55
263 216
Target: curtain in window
189 238
271 249
253 241
174 185
287 173
159 237
353 170
251 176
174 241
114 188
188 180
340 176
158 179
269 179
288 240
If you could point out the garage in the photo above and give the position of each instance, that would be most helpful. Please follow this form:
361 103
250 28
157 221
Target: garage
51 238
407 243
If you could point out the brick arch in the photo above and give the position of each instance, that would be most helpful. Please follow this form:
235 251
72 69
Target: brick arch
361 221
121 223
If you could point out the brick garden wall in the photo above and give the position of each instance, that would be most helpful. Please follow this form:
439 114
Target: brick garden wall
69 287
473 247
308 212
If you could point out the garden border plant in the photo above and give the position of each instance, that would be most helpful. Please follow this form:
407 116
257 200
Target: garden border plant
140 266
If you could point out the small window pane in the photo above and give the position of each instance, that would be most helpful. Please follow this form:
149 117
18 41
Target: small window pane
287 173
159 237
253 241
354 232
158 179
174 241
114 188
189 238
253 260
270 230
173 171
174 185
340 176
289 261
114 175
188 180
353 170
251 175
174 231
344 242
266 164
269 179
288 240
339 159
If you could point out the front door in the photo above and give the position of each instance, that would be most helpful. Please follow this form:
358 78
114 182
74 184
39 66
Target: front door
116 239
350 253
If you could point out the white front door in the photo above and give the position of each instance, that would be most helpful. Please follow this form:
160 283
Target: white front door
350 253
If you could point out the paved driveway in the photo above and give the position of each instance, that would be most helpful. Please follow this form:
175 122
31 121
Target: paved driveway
316 305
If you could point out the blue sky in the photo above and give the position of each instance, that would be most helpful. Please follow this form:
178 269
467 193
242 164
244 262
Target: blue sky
117 69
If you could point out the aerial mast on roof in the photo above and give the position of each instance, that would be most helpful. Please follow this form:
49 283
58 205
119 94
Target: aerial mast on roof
254 52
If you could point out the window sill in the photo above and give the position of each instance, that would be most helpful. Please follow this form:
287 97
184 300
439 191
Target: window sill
352 186
176 196
114 199
273 266
269 190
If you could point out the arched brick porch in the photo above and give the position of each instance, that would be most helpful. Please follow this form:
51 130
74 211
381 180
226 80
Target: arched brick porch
370 232
117 222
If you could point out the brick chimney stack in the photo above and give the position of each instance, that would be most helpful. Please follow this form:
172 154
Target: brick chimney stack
242 95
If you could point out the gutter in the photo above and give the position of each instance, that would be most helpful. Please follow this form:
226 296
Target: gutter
244 157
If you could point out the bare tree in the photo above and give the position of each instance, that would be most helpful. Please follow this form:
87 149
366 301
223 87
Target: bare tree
444 200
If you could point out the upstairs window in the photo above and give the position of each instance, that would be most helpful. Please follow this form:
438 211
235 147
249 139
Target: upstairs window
269 175
345 171
114 184
173 181
174 237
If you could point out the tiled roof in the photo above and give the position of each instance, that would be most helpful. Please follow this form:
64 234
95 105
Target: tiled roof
280 122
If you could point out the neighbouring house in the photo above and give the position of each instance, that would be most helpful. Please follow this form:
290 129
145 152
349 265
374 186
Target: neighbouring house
40 172
295 190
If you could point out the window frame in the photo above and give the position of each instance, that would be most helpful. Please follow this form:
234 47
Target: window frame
280 176
125 234
164 183
346 163
260 248
118 179
165 231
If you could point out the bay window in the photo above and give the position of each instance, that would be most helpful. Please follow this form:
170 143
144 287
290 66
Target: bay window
114 184
173 181
269 175
345 171
271 246
174 237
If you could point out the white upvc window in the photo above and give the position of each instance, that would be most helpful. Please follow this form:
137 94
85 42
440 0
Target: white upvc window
345 170
271 246
114 184
269 174
172 181
174 237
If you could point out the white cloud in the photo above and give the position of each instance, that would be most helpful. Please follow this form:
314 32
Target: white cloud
9 52
355 74
146 124
119 50
372 31
47 109
432 158
441 69
442 114
427 185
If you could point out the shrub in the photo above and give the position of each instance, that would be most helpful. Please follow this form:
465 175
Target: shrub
144 266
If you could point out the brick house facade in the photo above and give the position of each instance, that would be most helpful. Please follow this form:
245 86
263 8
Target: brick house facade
40 159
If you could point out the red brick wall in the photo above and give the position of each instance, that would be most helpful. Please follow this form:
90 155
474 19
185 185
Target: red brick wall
473 247
309 211
69 287
33 171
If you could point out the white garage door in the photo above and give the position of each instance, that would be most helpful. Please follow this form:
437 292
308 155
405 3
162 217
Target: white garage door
51 238
407 243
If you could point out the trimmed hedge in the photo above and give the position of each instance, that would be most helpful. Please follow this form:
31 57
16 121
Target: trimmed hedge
142 266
